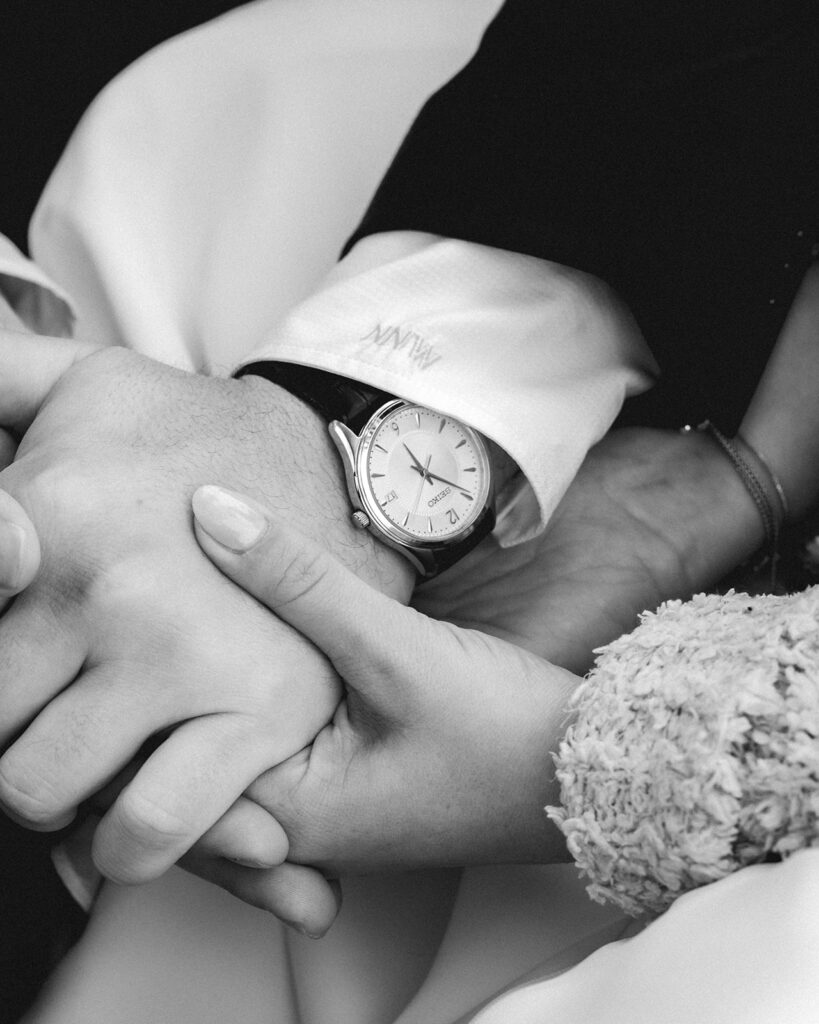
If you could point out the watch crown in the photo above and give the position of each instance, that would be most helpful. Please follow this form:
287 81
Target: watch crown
360 520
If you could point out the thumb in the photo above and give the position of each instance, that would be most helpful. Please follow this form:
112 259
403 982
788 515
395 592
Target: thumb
30 366
366 635
19 549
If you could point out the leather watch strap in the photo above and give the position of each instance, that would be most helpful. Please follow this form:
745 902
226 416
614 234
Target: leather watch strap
353 403
333 396
448 554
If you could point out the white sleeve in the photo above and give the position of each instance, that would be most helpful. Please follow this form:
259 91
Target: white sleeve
536 356
28 298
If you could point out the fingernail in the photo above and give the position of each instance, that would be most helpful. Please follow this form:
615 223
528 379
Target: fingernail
12 545
302 929
228 519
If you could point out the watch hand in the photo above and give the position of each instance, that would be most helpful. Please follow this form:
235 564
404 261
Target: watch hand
416 462
443 480
420 470
423 471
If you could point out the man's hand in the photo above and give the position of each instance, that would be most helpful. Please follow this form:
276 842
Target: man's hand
128 634
19 544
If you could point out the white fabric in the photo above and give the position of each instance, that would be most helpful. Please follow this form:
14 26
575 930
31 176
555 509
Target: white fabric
212 185
196 218
150 224
743 950
28 298
537 356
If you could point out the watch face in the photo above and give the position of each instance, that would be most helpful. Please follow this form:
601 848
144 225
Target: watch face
422 475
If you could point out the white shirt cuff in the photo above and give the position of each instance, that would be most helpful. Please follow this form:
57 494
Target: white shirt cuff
28 298
536 356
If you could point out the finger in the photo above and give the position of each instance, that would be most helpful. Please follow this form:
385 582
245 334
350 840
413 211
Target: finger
367 636
298 895
75 746
38 658
30 366
183 788
246 834
19 548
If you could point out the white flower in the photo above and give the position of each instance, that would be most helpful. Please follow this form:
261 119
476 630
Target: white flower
694 749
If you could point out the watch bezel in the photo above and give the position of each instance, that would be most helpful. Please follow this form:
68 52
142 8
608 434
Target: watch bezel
353 454
371 505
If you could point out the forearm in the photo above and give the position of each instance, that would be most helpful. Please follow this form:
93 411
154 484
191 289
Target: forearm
782 421
690 516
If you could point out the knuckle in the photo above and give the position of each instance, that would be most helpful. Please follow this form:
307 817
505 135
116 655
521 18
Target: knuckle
299 576
28 798
48 489
126 584
90 366
114 356
147 822
309 814
157 624
140 839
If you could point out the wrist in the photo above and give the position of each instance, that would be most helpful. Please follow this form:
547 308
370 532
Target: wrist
315 474
525 737
372 431
729 529
791 461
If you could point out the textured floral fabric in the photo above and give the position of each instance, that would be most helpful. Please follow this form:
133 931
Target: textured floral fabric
696 747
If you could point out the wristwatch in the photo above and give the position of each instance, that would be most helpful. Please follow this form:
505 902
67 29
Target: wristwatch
419 480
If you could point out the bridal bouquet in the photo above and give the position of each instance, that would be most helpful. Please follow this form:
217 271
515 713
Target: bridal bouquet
695 747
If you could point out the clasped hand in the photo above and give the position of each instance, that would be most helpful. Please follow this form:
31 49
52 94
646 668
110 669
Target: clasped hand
438 753
128 636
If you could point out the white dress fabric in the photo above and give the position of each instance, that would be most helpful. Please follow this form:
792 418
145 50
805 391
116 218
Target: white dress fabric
505 944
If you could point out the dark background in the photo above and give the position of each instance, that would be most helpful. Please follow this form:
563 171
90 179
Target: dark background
54 58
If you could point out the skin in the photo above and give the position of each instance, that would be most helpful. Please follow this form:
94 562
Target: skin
19 544
106 471
439 753
651 515
602 560
425 732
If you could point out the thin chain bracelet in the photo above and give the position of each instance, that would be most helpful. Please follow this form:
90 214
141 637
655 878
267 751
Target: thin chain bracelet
772 518
777 486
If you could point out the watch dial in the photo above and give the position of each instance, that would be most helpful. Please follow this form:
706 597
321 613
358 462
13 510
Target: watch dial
426 474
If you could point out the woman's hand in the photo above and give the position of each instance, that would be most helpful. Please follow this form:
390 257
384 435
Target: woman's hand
439 753
651 515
